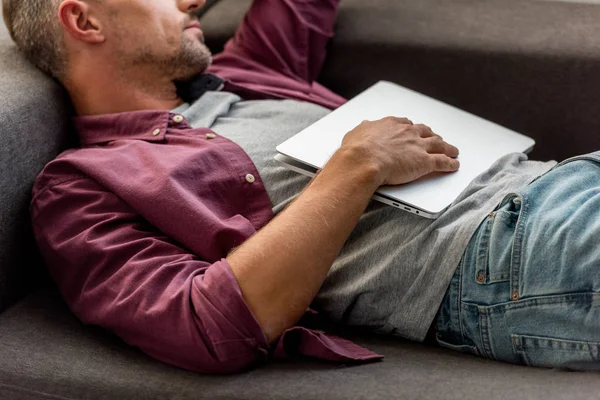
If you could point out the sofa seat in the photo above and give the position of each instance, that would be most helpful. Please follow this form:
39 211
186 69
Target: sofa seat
47 353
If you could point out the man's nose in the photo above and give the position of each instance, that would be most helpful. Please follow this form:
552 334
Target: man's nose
189 6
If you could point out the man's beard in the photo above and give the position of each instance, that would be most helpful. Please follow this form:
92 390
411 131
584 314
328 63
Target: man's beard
191 59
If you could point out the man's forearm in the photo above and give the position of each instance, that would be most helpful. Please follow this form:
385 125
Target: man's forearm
282 267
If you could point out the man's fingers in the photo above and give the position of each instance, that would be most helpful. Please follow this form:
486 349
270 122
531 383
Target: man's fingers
443 163
435 145
404 121
425 131
451 151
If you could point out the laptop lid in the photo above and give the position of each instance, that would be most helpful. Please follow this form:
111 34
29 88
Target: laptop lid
480 142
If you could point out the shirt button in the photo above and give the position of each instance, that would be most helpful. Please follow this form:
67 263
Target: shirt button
177 119
250 178
156 132
210 136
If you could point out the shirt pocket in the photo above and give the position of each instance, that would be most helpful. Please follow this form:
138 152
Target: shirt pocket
539 351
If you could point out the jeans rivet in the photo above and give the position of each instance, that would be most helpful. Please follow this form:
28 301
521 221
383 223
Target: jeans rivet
480 278
515 296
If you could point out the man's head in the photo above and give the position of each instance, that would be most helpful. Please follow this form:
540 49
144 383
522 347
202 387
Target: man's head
158 38
34 26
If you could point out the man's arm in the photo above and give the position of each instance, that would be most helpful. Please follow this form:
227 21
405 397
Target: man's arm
117 271
288 36
281 268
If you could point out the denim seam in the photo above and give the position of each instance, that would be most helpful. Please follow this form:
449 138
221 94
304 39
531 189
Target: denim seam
492 219
536 300
523 351
459 300
584 157
482 246
517 345
484 332
517 250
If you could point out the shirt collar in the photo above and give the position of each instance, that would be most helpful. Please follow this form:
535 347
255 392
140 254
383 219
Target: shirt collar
145 125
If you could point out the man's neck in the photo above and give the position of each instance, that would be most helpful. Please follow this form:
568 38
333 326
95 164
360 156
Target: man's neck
97 94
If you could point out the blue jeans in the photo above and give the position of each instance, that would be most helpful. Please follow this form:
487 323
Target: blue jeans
527 290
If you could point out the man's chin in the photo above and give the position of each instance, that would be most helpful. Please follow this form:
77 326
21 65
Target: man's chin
189 75
184 74
191 61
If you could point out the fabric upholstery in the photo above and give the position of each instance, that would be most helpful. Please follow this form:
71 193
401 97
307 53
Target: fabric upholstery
46 351
530 66
34 119
33 128
208 5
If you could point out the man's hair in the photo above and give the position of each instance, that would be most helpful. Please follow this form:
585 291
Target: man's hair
34 26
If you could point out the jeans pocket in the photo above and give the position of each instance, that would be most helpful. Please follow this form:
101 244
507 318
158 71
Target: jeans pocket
496 243
539 351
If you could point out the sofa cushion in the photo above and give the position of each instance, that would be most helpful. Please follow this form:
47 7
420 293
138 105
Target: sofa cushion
46 352
528 65
33 129
509 61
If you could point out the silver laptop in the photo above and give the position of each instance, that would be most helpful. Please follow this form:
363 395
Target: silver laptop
480 142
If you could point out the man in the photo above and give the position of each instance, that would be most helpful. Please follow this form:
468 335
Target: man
160 227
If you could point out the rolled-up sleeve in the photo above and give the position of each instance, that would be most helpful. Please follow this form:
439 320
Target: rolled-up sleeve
117 271
289 36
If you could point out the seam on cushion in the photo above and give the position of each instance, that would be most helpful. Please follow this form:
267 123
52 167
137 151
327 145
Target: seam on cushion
23 390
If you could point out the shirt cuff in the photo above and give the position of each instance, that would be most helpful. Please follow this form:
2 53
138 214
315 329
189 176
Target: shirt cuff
236 323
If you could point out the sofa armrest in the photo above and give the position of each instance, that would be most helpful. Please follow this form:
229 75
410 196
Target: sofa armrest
531 66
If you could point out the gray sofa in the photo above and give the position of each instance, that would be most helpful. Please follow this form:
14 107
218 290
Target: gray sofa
531 66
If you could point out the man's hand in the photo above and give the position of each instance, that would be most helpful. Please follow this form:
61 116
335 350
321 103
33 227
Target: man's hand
399 151
282 267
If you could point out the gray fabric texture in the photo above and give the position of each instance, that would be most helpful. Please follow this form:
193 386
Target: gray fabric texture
34 124
46 352
531 66
393 270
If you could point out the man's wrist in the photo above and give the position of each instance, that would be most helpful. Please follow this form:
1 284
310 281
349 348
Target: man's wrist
351 162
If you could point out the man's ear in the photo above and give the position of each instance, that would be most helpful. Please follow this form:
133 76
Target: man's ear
77 21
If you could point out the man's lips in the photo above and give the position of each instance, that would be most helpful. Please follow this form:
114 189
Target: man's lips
195 27
195 24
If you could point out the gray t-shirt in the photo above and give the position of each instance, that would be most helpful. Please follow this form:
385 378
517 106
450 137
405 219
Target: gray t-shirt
395 267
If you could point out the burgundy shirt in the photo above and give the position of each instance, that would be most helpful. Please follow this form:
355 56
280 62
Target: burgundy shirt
135 224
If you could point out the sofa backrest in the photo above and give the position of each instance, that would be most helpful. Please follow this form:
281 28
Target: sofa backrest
34 128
